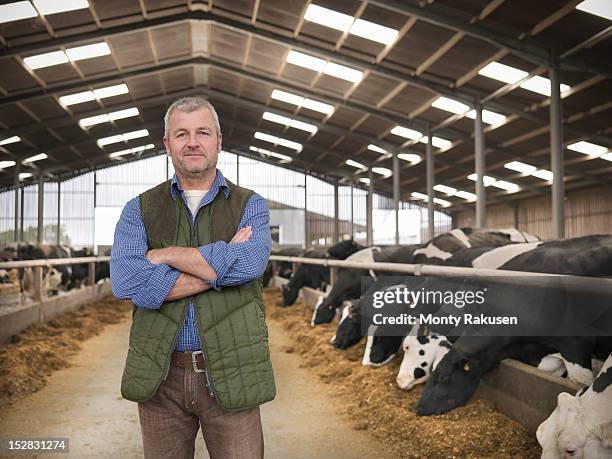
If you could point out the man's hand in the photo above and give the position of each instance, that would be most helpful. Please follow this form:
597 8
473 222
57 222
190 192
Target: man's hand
156 256
242 235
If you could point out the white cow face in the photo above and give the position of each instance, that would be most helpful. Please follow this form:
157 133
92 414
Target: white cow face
419 355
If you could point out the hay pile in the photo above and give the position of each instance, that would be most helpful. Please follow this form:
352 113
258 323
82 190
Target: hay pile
38 351
374 402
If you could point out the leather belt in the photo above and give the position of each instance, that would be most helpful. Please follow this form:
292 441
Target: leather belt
190 360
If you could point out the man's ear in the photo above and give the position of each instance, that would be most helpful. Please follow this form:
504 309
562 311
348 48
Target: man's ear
220 146
167 145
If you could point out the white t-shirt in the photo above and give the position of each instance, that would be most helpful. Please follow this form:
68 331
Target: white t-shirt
194 197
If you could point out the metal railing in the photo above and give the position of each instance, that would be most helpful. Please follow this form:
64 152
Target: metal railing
39 292
573 282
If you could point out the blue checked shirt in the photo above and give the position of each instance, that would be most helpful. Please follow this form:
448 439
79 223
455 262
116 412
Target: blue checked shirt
135 278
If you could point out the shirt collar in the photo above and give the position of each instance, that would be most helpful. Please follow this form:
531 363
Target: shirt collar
219 183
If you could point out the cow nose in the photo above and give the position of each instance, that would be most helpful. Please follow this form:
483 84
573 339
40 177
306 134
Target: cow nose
570 452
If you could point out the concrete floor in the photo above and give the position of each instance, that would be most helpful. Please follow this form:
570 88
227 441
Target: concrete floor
83 403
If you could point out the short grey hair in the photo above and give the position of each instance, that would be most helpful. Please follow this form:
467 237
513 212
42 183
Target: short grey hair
191 104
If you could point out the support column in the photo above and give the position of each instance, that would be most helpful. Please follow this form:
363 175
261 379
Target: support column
306 236
369 198
352 214
41 207
396 194
430 184
479 145
21 214
59 213
16 185
336 215
556 152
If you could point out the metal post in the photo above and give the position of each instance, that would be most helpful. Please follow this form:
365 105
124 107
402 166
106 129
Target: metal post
16 184
59 213
479 144
41 207
167 168
396 195
306 236
556 151
336 215
352 214
369 199
237 169
21 214
430 184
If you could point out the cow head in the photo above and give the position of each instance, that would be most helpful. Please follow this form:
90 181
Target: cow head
292 289
419 355
344 249
451 385
347 287
349 328
380 350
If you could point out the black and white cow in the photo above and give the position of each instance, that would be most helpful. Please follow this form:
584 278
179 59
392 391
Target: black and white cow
285 269
316 276
581 425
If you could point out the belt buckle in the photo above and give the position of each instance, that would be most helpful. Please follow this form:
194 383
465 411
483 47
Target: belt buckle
195 362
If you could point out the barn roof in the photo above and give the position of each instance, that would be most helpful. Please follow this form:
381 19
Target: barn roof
318 94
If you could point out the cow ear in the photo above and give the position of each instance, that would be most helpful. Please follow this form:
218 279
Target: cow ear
564 398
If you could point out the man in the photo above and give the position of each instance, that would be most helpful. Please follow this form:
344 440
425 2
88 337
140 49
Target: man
189 253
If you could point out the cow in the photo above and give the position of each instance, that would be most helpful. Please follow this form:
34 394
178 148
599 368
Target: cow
581 425
285 268
316 276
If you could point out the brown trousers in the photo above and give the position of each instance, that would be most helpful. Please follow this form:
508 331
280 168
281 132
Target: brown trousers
170 421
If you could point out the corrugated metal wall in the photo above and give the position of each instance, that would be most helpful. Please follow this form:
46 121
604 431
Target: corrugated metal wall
587 211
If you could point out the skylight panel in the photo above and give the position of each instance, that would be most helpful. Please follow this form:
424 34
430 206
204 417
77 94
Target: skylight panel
306 61
25 175
445 189
488 181
329 18
111 91
93 120
272 154
121 114
385 172
318 106
38 157
508 186
342 72
278 141
10 140
410 157
520 167
373 31
45 60
442 202
450 105
365 180
108 117
122 137
466 195
88 51
488 117
406 132
437 142
607 157
131 150
5 164
543 174
289 122
135 134
417 195
587 148
16 11
597 7
377 149
77 98
541 85
352 163
59 6
502 72
292 99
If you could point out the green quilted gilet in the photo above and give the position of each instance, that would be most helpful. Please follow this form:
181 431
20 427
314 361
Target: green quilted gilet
231 322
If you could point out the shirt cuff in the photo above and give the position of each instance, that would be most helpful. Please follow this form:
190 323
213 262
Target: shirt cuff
220 260
162 279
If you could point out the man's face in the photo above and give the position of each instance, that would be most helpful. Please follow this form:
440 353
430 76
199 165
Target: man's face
193 143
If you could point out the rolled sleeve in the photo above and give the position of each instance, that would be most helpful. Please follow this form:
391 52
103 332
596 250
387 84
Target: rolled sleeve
240 263
133 277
